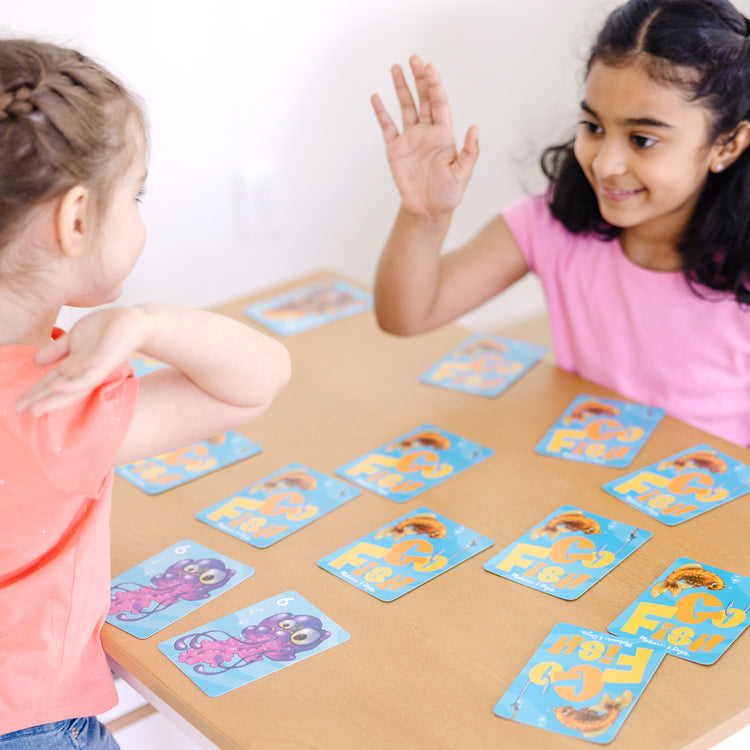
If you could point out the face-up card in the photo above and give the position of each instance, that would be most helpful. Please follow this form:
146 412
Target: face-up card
310 306
601 431
167 586
406 553
567 552
252 643
143 364
278 505
484 365
161 473
694 610
684 485
413 463
580 683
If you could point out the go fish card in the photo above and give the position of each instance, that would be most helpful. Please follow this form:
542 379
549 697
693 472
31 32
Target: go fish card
414 463
694 610
167 586
161 473
143 364
253 643
568 552
600 431
278 505
483 365
581 683
310 306
408 552
684 485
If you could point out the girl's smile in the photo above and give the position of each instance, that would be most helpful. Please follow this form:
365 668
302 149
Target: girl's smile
644 148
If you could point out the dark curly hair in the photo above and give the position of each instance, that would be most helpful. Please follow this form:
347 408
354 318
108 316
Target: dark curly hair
709 37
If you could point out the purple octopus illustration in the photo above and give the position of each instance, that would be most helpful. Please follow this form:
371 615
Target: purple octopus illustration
279 638
184 580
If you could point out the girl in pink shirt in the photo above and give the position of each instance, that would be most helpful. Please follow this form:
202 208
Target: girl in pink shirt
642 240
72 173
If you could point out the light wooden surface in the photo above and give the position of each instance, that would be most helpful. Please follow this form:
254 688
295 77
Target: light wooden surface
426 670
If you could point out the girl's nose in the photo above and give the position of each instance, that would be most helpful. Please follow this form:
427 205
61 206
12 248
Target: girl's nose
610 159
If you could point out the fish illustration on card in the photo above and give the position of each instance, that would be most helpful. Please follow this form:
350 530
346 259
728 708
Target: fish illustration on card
484 365
684 485
310 306
404 554
413 463
168 470
278 505
567 552
581 683
599 430
696 611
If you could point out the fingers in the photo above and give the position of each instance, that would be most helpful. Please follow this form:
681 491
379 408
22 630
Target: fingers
53 351
386 124
59 387
466 160
435 95
422 86
409 115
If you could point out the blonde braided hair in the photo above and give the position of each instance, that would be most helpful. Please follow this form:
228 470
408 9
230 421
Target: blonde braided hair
63 122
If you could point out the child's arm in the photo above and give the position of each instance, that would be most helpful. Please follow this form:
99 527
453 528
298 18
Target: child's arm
223 373
417 289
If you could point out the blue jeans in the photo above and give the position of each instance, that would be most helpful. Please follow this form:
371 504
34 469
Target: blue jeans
71 734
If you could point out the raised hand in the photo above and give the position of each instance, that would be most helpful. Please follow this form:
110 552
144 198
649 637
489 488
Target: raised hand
430 173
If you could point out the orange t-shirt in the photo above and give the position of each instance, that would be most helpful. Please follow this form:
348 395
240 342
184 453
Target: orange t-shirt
56 476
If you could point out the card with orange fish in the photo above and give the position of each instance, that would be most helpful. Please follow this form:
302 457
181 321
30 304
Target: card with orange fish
278 505
696 611
599 430
413 463
168 470
484 365
684 485
404 554
581 683
310 306
567 552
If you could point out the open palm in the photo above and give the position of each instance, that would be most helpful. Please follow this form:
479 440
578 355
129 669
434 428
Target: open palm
430 173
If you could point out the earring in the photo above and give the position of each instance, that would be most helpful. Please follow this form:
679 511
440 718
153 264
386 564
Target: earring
719 168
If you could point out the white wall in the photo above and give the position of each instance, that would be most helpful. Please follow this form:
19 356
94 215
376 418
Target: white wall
267 161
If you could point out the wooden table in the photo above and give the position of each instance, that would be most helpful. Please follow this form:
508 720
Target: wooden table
426 670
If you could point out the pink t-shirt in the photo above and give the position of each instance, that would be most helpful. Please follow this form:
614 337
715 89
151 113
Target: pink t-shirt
55 484
645 334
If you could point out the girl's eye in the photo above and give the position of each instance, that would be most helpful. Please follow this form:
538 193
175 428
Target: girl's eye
590 127
141 194
643 141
